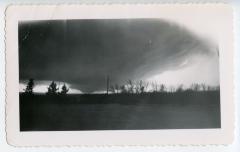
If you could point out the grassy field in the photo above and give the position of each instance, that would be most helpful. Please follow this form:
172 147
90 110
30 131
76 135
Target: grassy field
183 110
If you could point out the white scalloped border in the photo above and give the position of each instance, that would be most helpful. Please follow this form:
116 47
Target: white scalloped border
121 2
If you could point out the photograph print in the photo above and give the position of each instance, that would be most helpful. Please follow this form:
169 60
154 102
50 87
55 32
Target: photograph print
116 74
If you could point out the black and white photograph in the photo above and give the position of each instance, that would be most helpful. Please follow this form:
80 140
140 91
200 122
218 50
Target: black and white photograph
155 76
116 74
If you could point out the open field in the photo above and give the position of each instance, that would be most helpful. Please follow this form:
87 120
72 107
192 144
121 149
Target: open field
183 110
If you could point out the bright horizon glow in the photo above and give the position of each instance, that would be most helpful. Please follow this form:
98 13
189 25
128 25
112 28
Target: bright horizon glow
203 70
41 87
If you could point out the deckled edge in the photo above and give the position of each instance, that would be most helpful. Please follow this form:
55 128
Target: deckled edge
134 2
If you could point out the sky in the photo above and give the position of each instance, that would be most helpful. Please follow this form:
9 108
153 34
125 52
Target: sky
82 53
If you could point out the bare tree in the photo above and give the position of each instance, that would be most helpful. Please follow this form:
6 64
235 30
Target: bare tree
144 87
162 88
117 88
130 85
180 88
209 88
123 89
155 87
195 87
141 87
203 87
138 86
172 89
112 89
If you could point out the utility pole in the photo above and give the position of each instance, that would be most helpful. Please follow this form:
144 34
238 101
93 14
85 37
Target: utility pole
107 83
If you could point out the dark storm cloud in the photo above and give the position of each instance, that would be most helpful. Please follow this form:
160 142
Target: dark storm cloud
84 52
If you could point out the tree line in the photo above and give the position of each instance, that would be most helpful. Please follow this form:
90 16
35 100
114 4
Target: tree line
131 87
51 90
138 87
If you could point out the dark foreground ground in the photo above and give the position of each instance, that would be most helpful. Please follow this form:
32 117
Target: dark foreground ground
186 110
